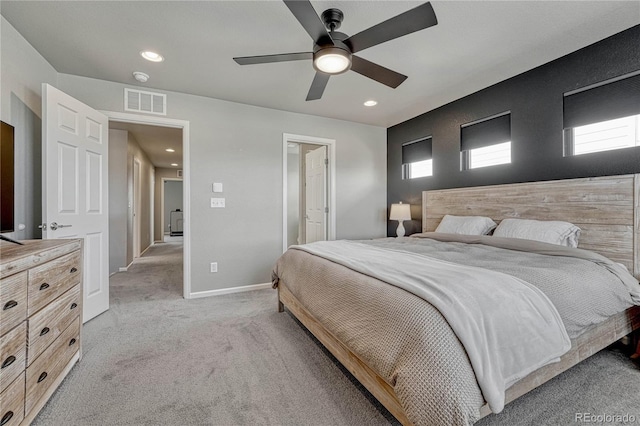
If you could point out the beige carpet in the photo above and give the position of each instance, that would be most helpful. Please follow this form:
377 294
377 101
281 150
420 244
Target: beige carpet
157 359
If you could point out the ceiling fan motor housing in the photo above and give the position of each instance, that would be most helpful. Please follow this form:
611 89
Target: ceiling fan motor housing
332 18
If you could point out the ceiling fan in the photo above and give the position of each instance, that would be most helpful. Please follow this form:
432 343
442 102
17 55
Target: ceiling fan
333 51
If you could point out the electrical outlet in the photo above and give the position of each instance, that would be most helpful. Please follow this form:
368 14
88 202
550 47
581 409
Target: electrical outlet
217 203
214 266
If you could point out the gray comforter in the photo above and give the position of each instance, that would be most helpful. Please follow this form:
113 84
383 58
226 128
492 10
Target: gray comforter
409 343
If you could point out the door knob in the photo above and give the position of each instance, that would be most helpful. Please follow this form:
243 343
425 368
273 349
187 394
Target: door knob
54 226
43 226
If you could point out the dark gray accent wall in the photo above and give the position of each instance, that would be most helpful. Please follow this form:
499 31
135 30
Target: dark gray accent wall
535 99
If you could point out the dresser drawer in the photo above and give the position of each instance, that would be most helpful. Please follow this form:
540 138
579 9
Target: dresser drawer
13 353
44 371
12 403
51 321
13 301
48 281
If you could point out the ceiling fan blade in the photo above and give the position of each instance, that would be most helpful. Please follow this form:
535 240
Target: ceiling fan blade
376 72
309 19
265 59
317 86
413 20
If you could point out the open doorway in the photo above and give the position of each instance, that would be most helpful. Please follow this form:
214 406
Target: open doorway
171 208
145 152
308 189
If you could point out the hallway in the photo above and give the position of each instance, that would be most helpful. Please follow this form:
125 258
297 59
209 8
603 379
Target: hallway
156 275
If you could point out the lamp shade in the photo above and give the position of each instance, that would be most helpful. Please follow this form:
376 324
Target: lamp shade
400 212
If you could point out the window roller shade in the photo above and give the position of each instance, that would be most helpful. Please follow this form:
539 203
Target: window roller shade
416 151
489 132
607 102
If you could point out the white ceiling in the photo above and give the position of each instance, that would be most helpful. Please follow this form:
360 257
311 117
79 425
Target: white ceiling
154 141
475 44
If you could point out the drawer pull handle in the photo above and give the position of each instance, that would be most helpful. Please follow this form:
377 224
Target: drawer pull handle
44 331
72 342
44 286
7 362
6 418
10 304
74 305
42 377
74 269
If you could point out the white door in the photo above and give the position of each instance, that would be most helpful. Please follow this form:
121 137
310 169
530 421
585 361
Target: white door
75 187
316 195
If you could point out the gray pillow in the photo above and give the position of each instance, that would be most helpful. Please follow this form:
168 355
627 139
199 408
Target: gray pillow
548 231
467 225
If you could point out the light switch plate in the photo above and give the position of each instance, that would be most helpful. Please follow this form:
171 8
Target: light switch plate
217 187
217 203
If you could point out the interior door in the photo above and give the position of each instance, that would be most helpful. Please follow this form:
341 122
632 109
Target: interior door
75 187
316 195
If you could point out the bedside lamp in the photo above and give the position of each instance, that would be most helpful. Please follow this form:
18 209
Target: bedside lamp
400 212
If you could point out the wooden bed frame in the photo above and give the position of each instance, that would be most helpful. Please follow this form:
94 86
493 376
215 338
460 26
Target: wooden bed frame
607 209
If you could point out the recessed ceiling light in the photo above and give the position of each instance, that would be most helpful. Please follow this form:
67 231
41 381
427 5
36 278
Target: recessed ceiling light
370 103
152 56
174 164
170 150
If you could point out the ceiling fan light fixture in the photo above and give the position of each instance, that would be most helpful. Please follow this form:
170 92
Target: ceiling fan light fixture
332 60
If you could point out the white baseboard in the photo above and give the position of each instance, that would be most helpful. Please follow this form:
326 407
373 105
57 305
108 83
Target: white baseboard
125 268
230 290
145 250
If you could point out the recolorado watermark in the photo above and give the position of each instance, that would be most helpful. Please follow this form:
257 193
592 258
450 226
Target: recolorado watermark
604 418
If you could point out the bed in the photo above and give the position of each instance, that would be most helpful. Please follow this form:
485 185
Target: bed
357 316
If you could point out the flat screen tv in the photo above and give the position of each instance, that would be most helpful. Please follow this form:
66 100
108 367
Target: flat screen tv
6 178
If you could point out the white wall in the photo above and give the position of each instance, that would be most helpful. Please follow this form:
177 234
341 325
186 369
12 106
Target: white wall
293 194
22 71
134 152
118 199
241 146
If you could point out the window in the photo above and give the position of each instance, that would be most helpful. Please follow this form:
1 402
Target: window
486 142
420 169
602 117
416 159
491 155
606 135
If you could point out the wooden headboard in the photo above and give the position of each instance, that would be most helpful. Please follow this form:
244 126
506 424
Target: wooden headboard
605 208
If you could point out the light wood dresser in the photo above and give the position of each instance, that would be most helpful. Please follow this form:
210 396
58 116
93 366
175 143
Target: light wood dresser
40 323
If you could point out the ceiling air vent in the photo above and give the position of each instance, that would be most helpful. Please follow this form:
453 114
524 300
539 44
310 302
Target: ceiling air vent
141 101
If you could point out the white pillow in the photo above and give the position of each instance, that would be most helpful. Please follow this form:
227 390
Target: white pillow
552 231
467 225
